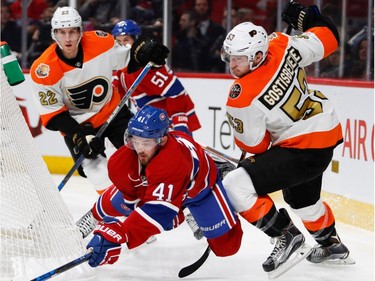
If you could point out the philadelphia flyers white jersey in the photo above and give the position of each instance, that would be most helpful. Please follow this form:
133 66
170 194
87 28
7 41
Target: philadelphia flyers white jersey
86 90
273 106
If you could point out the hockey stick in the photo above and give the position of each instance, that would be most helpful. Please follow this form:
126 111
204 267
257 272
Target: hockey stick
190 269
109 120
219 154
64 267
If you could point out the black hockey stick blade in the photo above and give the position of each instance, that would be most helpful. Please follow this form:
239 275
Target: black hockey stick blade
64 267
190 269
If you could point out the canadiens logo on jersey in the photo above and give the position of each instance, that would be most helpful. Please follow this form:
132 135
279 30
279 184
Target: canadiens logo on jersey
42 70
235 91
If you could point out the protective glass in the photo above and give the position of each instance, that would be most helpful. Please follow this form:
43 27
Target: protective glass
239 60
140 144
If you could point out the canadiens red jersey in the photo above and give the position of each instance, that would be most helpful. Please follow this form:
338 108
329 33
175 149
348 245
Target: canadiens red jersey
85 91
179 173
160 88
273 106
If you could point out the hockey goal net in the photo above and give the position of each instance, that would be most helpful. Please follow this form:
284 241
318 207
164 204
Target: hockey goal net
37 232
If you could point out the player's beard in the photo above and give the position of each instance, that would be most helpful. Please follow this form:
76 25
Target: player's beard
144 158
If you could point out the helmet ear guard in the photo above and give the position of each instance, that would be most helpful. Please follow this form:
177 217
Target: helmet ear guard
246 39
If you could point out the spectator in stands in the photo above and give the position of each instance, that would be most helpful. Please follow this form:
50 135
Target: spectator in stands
245 14
211 33
358 44
331 66
233 18
99 12
143 12
186 52
34 9
10 31
41 38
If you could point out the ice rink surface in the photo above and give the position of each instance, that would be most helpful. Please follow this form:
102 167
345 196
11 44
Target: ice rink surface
173 250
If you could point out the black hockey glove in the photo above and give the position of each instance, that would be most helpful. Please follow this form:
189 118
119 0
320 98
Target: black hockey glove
299 16
145 50
86 143
82 146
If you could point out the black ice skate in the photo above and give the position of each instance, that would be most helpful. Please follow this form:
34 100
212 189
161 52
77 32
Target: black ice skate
289 250
336 253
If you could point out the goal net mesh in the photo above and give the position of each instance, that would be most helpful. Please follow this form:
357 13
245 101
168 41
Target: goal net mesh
38 233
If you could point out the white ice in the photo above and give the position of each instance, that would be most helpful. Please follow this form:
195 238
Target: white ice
176 249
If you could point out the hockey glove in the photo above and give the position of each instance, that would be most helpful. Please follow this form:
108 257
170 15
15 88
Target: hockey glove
82 146
106 243
86 143
180 123
299 16
145 50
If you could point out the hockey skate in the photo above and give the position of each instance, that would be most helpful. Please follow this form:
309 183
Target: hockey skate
289 250
86 224
336 253
194 226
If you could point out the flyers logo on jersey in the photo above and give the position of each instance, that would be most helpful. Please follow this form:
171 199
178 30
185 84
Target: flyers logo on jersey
42 70
94 91
235 91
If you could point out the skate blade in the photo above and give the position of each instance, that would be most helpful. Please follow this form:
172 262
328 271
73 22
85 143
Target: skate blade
151 239
300 254
346 261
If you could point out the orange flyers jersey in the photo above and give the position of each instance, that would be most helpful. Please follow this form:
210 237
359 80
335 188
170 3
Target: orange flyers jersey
160 88
85 91
273 104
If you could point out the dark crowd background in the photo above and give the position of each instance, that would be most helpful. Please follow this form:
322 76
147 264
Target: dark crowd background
194 30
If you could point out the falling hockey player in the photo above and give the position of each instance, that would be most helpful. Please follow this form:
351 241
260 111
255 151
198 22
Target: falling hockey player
156 174
291 130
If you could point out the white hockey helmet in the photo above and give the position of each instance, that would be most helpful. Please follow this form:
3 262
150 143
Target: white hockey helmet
245 39
65 17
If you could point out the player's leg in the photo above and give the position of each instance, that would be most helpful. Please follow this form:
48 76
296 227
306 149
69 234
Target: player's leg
116 129
318 219
217 220
95 170
247 189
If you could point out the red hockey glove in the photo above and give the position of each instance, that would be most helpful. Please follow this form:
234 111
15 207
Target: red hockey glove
106 243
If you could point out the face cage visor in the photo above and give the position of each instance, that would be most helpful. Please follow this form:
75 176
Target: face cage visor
240 60
139 143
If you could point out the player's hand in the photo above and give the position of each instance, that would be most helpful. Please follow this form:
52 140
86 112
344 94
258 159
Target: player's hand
82 146
86 143
180 123
96 144
145 50
106 243
299 16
